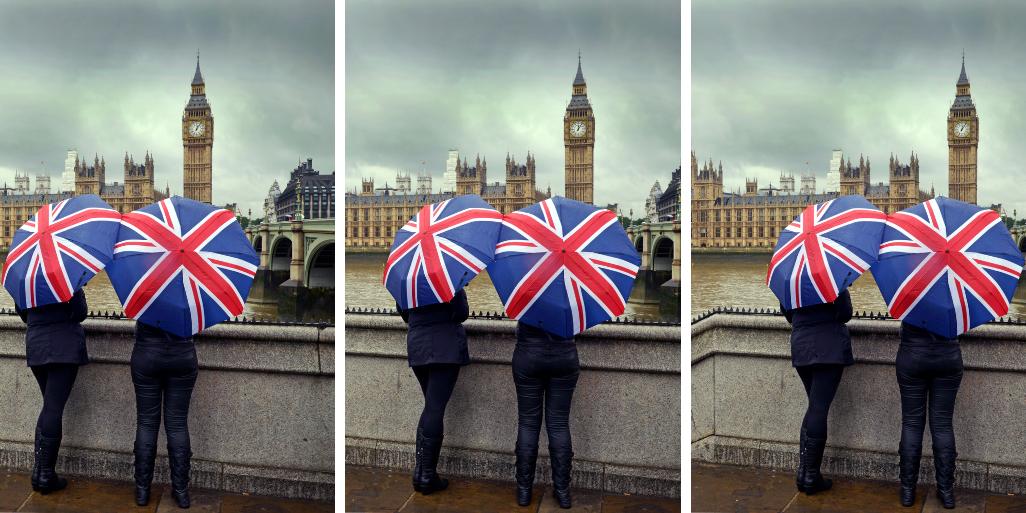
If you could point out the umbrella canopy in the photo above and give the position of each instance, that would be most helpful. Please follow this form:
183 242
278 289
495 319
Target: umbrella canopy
563 266
182 265
59 249
440 250
824 250
947 266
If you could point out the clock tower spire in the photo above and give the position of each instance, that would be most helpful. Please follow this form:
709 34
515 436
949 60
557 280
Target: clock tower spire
197 141
963 139
579 142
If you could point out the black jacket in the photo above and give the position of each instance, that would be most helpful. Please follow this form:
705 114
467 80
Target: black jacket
531 336
153 336
819 334
436 333
54 333
914 336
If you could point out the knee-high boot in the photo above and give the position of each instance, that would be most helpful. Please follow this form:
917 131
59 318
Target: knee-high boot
561 459
944 465
527 458
46 458
35 464
800 474
179 459
425 473
145 457
908 473
813 481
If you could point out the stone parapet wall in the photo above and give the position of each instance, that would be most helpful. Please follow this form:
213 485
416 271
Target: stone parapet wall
747 402
625 419
261 419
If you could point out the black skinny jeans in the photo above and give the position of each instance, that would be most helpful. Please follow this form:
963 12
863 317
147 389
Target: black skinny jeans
164 374
437 382
545 377
821 383
55 382
928 375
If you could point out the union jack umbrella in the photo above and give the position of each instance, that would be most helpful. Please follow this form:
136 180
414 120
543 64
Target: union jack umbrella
824 250
440 250
947 266
182 265
59 249
563 266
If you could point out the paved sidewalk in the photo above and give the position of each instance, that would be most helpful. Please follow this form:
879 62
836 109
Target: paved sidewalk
94 495
723 488
379 490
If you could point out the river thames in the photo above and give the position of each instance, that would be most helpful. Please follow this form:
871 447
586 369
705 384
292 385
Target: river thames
364 289
739 280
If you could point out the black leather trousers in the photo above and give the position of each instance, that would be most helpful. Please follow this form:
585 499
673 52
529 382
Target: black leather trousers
164 374
545 377
928 377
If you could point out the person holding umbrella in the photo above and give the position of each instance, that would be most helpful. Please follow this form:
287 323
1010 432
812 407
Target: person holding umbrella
817 257
432 258
180 266
945 267
50 259
561 266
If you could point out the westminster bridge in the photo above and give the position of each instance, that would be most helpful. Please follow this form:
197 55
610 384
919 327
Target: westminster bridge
658 281
297 267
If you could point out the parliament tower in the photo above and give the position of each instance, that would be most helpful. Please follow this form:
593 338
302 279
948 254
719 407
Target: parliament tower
963 138
198 142
579 142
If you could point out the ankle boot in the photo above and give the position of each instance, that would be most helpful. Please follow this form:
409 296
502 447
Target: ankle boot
145 457
801 461
526 459
46 458
813 481
35 464
180 463
944 465
561 460
908 474
425 477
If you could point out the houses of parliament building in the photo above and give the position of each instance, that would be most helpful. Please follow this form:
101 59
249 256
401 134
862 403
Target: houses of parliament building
373 215
755 217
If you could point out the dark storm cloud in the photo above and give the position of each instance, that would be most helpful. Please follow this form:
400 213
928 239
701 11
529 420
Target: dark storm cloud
777 84
110 77
495 77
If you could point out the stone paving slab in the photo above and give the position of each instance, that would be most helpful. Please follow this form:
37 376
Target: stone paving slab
727 488
378 490
97 495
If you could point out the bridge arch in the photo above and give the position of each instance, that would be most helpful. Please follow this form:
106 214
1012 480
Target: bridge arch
281 253
320 265
662 254
639 243
258 243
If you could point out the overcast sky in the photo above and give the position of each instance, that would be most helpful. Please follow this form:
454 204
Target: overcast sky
114 76
776 84
495 77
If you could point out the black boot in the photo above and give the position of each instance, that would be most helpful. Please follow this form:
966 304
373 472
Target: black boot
908 474
145 456
425 474
561 459
46 458
526 459
944 465
180 463
35 464
799 476
812 480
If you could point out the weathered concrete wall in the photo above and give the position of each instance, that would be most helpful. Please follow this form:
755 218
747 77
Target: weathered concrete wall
261 419
748 402
625 419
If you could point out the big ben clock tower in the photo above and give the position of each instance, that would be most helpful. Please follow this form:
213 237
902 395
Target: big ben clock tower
963 138
579 142
198 142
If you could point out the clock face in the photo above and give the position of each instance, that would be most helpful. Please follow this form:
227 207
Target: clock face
578 128
196 129
962 129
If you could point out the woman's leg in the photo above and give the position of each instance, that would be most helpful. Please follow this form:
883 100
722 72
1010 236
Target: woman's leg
530 398
437 387
177 397
823 386
943 390
559 394
913 387
59 380
148 398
